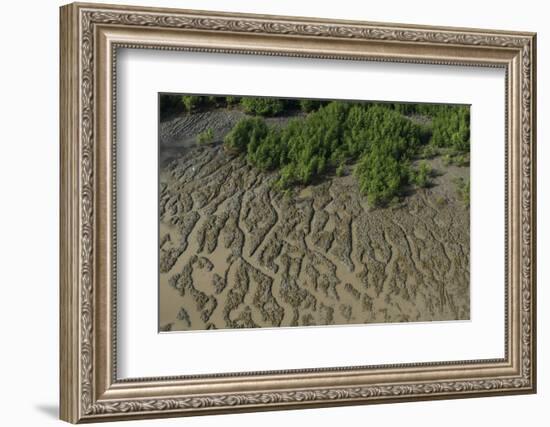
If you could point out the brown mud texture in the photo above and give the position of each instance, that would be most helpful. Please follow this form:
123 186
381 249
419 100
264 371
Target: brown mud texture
236 253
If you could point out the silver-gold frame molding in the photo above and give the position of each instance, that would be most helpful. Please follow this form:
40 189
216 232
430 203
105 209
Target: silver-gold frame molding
90 36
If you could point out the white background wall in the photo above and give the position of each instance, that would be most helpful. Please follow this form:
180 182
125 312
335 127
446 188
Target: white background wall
29 170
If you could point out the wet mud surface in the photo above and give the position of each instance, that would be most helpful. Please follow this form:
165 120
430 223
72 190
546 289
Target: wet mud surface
235 253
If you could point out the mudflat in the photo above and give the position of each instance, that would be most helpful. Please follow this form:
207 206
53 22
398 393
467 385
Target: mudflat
237 253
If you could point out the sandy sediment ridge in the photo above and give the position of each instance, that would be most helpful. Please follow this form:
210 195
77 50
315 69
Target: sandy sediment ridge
234 253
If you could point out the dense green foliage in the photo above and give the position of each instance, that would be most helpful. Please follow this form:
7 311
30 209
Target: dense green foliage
428 110
377 141
380 175
451 128
381 139
263 106
309 105
192 103
247 131
421 176
256 106
405 108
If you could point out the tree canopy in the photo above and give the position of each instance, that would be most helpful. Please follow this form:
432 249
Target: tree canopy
380 139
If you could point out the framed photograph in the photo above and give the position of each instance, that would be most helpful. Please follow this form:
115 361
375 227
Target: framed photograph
267 212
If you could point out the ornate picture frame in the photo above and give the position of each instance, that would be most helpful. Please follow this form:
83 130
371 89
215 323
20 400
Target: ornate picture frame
90 37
